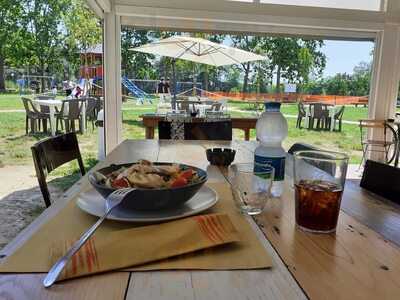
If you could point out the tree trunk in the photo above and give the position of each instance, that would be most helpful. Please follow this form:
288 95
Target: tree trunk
2 79
278 80
246 78
43 72
206 78
194 80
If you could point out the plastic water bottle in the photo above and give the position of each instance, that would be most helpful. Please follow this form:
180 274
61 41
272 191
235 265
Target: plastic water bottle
272 129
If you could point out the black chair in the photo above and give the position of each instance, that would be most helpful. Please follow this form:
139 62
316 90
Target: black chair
92 105
301 114
33 116
301 147
320 113
70 112
381 179
218 130
51 153
326 167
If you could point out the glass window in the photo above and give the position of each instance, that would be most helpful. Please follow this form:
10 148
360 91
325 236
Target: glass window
370 5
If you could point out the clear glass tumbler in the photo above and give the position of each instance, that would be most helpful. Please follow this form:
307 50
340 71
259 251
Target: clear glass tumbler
251 185
319 179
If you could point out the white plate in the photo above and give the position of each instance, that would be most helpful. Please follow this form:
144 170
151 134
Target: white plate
93 203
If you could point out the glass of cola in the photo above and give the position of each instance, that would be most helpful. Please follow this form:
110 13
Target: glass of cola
319 179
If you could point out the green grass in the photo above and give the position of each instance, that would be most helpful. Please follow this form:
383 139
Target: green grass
15 145
351 113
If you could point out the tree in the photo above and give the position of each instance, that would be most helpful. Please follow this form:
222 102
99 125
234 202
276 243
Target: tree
10 12
83 30
248 43
44 25
287 58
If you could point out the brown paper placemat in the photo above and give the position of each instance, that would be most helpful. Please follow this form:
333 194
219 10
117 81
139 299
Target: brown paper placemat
70 222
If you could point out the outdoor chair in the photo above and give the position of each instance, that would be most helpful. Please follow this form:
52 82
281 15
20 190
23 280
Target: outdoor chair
319 113
386 145
92 109
381 179
301 114
337 119
219 130
70 112
33 116
51 153
326 167
214 107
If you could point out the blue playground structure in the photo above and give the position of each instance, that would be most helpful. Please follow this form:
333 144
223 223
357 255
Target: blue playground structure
136 92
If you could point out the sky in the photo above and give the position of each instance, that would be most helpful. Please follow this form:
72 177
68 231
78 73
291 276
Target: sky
343 56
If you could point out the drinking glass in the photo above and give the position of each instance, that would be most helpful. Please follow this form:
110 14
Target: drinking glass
251 185
319 179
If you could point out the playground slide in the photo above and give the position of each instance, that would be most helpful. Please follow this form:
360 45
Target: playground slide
138 93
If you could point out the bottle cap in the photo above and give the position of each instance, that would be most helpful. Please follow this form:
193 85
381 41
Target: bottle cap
272 106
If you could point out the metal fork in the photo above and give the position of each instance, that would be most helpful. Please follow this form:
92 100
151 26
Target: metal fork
112 201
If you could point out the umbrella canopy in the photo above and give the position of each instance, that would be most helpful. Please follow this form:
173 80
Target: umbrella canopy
198 50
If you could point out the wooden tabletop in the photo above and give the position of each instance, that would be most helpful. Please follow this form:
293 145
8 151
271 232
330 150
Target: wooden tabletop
360 261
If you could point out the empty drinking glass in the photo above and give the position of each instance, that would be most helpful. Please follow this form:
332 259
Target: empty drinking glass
319 179
251 186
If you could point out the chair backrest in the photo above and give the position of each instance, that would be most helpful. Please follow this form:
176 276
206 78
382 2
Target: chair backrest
381 179
28 105
91 107
216 106
301 108
219 130
51 153
319 110
376 124
74 108
44 97
326 167
339 113
183 105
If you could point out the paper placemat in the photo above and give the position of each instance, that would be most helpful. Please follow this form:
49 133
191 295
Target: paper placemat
71 222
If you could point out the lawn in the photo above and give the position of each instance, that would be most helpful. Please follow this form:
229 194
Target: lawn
15 145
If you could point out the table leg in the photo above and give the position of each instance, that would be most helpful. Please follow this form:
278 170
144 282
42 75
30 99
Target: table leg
307 120
52 120
332 116
83 119
246 134
149 132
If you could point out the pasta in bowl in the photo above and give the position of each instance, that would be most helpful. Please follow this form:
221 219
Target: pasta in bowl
158 185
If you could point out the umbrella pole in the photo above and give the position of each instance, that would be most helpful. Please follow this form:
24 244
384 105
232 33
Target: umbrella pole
174 83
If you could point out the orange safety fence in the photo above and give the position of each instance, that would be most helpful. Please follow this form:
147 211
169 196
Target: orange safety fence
287 98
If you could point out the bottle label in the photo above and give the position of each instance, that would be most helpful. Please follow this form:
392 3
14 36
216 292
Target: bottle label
278 163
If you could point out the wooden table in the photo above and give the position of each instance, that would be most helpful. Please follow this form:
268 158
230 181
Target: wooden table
150 122
359 262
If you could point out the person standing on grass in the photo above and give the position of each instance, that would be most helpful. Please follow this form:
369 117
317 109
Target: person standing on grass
160 89
167 87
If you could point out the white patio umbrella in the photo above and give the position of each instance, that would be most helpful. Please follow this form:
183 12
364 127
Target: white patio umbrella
198 50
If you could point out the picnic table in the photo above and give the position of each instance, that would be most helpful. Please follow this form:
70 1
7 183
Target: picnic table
150 122
360 261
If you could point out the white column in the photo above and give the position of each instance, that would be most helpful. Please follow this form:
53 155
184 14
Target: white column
385 80
386 73
112 80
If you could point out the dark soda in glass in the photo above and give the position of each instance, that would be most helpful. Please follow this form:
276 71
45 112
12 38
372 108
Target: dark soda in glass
317 205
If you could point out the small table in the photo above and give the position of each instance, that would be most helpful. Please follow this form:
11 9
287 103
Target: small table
52 104
331 109
150 122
